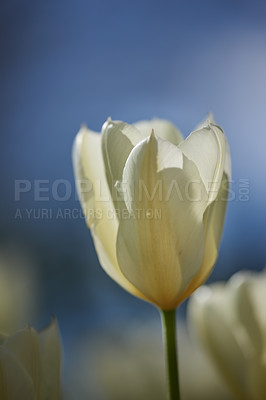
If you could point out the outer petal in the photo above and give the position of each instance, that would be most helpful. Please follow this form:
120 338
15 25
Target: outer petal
50 347
118 139
97 203
207 148
213 227
161 254
210 121
162 128
15 382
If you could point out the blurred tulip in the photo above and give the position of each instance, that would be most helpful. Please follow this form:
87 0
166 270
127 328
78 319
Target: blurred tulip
30 364
230 321
18 291
157 204
126 363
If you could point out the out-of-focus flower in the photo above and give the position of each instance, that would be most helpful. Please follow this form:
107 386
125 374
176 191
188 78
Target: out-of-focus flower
124 363
155 204
230 321
17 292
30 364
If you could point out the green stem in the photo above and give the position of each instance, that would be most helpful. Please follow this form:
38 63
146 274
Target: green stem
169 339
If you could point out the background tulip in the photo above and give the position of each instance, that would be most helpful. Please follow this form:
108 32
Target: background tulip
18 291
126 363
30 364
130 172
229 319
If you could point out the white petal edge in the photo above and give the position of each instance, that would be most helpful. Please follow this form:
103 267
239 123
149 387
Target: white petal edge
207 148
162 128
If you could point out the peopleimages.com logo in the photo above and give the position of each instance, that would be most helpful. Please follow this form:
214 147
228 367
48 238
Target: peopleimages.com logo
148 197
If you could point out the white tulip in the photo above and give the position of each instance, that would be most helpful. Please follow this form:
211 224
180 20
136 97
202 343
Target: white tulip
155 204
30 364
230 321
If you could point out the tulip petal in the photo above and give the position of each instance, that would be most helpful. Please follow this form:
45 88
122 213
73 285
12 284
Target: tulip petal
207 148
50 346
214 217
213 227
97 203
162 128
15 382
89 173
205 124
161 255
227 163
118 139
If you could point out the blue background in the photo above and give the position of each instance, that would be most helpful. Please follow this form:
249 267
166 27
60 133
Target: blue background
64 63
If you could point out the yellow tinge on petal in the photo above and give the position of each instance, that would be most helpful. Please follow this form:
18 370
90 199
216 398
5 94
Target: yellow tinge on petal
154 252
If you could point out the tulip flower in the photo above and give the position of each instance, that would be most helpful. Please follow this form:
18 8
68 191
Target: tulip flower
229 319
155 205
30 364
